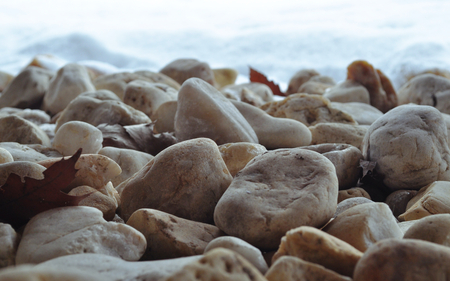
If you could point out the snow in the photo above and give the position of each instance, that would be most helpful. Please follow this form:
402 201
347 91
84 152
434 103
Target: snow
277 38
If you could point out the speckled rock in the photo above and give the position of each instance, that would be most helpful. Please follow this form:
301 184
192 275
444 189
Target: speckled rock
16 129
9 240
73 135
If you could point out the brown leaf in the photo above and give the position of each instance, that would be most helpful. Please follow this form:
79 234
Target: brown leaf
20 201
256 76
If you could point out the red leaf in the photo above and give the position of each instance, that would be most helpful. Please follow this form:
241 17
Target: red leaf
256 76
20 201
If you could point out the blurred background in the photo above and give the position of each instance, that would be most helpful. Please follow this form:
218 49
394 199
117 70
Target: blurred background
275 37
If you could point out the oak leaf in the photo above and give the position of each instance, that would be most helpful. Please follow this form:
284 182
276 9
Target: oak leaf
256 76
21 200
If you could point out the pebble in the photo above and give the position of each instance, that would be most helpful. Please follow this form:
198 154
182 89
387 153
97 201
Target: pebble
9 240
106 203
314 87
363 113
5 156
435 229
31 152
32 273
22 169
352 193
157 77
261 91
116 82
5 79
398 200
300 77
101 95
347 92
16 129
164 117
181 70
236 155
36 116
73 135
338 133
224 76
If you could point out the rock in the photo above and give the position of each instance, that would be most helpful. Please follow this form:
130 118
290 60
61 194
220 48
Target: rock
274 132
348 91
218 264
250 253
129 160
352 193
261 90
73 135
5 79
292 269
405 225
106 204
313 245
73 230
204 112
363 225
16 129
96 112
313 88
70 81
100 95
112 268
345 159
186 180
237 155
171 237
48 62
407 259
427 89
181 70
146 96
27 89
224 76
308 109
431 199
5 156
164 117
36 116
363 113
32 152
157 77
299 78
248 96
260 204
31 273
435 229
349 203
117 82
22 169
9 240
382 94
409 144
338 133
398 200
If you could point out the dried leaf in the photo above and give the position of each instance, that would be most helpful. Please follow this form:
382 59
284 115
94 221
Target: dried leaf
20 201
256 76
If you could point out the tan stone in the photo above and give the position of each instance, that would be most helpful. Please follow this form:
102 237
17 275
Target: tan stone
218 264
171 237
261 203
106 204
117 82
16 129
204 112
338 133
248 96
186 180
363 225
31 273
313 245
349 203
157 77
181 70
351 193
289 268
100 95
237 155
348 91
363 113
36 116
435 229
261 90
299 78
164 117
393 260
313 87
308 109
224 76
9 240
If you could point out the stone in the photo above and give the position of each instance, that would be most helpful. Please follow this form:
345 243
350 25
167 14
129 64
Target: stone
236 155
181 70
5 79
113 268
398 200
405 225
427 89
36 116
338 133
70 81
225 76
409 144
273 132
363 113
186 180
260 204
27 89
429 200
435 229
171 237
117 82
73 230
22 169
157 77
349 203
314 87
31 273
322 79
348 91
100 95
289 268
164 117
16 129
298 79
146 96
5 156
351 193
308 109
218 264
32 152
9 240
365 224
249 252
313 245
382 94
204 112
248 96
106 204
393 260
73 135
345 159
47 61
96 112
261 90
129 160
